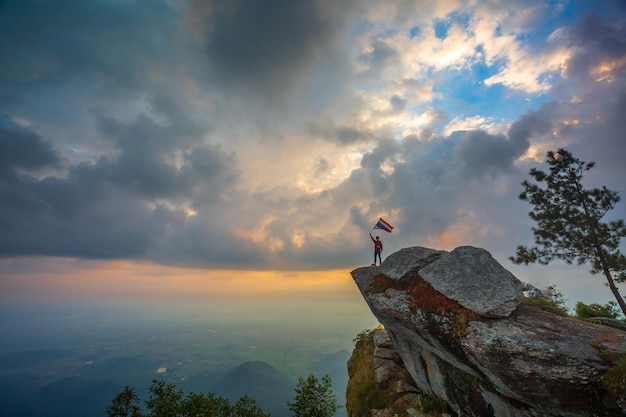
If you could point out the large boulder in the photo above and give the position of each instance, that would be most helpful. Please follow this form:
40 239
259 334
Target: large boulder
405 263
489 358
476 280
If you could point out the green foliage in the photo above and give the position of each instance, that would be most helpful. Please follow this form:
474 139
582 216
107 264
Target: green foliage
432 405
557 300
372 398
568 219
551 300
314 398
125 404
200 405
362 393
544 304
584 311
615 379
247 407
366 334
167 401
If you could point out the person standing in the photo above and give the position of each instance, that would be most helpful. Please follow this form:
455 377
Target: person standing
378 248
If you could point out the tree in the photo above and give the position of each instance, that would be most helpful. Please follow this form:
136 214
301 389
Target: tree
200 405
314 398
165 400
557 299
584 311
247 407
568 218
551 299
125 404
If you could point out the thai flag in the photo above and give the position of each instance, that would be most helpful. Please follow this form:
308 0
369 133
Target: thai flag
383 225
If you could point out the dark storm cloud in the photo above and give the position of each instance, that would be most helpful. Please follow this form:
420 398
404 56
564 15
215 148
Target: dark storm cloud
343 134
118 206
145 156
596 40
595 79
96 41
22 154
23 149
424 185
479 152
603 140
207 240
611 129
256 46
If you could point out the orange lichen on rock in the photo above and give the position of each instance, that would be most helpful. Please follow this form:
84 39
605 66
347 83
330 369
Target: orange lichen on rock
423 295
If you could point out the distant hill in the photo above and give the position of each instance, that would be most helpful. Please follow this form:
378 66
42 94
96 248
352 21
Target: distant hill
330 363
270 387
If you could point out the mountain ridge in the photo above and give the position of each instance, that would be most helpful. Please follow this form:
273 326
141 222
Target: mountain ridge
269 386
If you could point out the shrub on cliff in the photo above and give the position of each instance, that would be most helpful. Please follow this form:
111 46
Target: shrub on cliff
362 393
314 398
584 311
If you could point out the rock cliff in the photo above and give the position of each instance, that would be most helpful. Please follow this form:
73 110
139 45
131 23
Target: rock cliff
457 321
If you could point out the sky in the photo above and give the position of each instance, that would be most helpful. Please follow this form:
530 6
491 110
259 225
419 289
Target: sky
168 149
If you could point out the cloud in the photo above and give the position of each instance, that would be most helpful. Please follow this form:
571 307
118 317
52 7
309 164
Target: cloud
263 48
118 206
468 123
479 152
599 47
22 149
342 135
377 58
270 135
56 42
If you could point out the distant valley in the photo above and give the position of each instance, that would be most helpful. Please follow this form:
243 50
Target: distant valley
79 368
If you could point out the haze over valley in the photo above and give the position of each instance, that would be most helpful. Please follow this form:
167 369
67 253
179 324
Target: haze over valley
71 359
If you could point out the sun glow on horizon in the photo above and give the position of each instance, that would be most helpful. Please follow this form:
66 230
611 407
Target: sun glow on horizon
70 278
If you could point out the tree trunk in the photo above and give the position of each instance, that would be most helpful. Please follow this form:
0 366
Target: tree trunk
615 292
609 278
600 251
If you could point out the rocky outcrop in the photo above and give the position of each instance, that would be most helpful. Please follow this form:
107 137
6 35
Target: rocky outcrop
457 321
379 384
477 281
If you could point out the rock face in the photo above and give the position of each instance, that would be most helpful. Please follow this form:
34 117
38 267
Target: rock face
375 363
477 281
456 321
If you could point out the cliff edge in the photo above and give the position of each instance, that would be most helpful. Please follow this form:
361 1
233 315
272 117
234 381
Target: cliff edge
457 321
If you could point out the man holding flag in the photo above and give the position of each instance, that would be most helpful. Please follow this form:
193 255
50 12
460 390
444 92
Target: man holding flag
378 244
